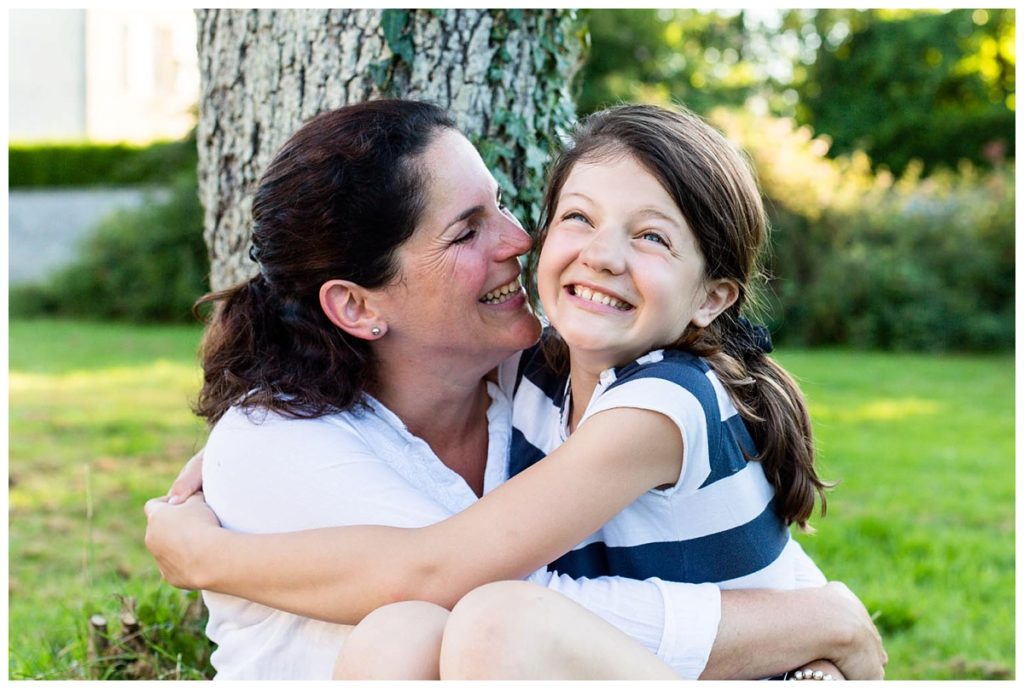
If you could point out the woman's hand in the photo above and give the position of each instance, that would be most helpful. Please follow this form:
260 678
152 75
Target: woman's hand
827 668
189 481
175 535
860 654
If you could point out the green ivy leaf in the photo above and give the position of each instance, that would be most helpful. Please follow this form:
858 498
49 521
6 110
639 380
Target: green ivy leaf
394 23
380 72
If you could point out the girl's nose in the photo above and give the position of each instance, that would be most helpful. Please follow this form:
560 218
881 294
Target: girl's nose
604 253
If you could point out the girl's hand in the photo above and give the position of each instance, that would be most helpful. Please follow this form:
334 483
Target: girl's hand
175 535
189 481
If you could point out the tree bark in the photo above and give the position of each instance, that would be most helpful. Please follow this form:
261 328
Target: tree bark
503 74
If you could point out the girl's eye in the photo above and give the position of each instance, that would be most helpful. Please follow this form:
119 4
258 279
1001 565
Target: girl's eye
654 237
501 201
576 216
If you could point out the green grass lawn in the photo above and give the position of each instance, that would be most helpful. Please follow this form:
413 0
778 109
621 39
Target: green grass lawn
99 421
921 525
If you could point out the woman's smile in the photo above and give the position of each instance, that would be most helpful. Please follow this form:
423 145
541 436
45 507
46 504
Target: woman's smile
504 294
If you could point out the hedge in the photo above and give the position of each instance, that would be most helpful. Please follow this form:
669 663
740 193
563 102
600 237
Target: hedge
95 164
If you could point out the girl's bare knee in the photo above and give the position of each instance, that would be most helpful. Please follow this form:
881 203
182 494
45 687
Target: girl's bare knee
396 641
492 632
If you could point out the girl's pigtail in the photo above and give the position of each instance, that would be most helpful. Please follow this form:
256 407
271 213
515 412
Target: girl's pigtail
773 406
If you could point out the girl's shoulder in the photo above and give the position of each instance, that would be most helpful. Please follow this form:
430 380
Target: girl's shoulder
677 366
683 371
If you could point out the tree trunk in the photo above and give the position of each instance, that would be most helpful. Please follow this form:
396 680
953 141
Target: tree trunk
503 74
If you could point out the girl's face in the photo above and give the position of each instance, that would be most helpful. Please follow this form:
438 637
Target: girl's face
620 273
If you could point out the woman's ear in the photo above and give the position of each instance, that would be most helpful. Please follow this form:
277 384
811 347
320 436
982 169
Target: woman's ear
721 295
350 307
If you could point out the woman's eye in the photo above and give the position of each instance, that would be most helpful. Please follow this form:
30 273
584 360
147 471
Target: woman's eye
465 236
654 237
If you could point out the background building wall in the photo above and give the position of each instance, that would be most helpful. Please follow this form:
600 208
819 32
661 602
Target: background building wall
102 75
47 74
143 75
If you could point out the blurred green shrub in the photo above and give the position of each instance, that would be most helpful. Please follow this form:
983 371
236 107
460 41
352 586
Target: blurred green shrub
93 164
873 261
142 265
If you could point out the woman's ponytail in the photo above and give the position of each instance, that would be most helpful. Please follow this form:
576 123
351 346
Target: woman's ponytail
262 350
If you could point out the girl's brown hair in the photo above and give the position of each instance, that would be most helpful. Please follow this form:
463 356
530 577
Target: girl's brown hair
338 199
714 187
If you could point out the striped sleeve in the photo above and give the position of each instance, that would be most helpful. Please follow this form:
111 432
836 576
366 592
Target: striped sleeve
683 394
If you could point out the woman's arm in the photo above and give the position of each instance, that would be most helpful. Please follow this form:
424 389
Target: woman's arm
766 632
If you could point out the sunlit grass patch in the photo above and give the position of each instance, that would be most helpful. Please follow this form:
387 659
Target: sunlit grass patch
921 525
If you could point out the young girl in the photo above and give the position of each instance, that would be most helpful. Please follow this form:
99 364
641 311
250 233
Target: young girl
653 226
661 416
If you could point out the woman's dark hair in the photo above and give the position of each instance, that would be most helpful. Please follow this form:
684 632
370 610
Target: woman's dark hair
715 188
338 199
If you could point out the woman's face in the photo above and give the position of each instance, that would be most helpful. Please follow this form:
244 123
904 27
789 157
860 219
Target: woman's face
458 297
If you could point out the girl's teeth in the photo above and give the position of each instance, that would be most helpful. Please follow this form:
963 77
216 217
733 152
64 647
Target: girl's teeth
599 298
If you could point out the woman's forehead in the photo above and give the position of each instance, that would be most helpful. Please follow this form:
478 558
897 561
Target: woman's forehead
456 178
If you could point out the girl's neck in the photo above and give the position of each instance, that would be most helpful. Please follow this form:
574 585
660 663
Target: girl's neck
582 383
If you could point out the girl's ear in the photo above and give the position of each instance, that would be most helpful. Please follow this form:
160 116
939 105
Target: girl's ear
350 307
721 295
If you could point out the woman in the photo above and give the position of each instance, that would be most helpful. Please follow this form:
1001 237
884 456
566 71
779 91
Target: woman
347 383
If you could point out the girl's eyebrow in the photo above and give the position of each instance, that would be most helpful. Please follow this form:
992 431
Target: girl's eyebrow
650 211
575 193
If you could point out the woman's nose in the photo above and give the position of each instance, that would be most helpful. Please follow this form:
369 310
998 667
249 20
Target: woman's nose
513 240
603 253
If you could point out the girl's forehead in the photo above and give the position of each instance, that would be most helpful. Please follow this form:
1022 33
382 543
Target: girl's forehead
620 173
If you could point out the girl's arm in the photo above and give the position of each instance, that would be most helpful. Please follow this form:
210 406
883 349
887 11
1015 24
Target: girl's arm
342 573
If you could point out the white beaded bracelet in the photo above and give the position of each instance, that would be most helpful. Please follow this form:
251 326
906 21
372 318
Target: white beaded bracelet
808 673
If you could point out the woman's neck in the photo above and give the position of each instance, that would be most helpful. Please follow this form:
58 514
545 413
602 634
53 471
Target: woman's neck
448 412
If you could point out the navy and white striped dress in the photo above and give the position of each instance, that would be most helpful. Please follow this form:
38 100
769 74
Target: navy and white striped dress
716 524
